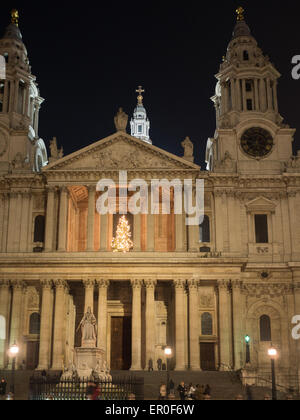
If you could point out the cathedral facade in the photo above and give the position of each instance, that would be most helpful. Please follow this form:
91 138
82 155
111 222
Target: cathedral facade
198 289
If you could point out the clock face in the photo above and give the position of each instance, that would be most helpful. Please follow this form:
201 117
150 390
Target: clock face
257 142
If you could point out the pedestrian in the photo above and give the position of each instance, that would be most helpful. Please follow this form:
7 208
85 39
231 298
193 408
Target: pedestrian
3 385
207 390
96 393
150 365
90 390
159 364
172 387
182 391
191 392
162 392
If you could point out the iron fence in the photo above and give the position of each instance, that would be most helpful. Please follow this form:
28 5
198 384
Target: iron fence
52 388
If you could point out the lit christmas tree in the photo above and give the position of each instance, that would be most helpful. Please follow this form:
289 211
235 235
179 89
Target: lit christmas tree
122 241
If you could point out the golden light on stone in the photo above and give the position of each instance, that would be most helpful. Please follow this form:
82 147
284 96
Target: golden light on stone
122 241
15 17
240 13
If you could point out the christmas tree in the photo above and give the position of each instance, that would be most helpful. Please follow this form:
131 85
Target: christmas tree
122 241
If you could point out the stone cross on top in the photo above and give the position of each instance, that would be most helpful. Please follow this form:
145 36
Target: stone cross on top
140 90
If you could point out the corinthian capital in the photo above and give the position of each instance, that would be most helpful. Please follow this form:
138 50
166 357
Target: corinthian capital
88 283
60 284
193 284
4 283
136 283
179 284
46 284
102 283
18 284
150 283
223 285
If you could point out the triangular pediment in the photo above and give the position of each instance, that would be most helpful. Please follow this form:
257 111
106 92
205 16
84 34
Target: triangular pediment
120 152
260 204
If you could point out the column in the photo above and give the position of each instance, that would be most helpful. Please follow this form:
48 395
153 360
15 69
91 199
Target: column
16 95
59 318
6 96
3 244
244 99
137 233
238 95
194 325
89 295
50 222
150 225
91 218
238 324
232 90
193 232
257 107
225 325
46 325
263 97
102 314
269 93
275 95
4 311
293 219
26 101
11 96
63 212
103 232
136 324
16 312
25 222
150 321
180 324
179 229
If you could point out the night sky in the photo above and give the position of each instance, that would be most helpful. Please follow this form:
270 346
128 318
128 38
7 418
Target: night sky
89 59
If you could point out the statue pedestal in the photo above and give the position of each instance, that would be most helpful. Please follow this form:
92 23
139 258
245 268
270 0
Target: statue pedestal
89 360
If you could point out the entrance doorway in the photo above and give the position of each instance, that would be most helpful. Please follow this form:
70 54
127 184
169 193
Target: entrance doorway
208 361
32 355
120 343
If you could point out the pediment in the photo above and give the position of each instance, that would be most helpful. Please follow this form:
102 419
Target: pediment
120 152
260 204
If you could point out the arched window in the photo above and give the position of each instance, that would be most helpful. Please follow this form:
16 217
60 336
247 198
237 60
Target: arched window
265 328
2 328
34 323
205 230
39 229
207 324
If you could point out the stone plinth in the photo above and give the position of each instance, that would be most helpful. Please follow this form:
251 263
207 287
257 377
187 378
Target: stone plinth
89 360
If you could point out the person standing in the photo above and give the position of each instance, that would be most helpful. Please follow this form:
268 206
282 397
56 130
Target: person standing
3 385
182 391
163 392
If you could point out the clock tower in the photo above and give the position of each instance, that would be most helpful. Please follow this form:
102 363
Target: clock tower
250 136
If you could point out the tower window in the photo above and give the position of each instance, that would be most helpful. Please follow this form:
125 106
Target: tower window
34 323
261 228
248 86
39 229
265 328
205 230
140 129
249 105
246 56
207 324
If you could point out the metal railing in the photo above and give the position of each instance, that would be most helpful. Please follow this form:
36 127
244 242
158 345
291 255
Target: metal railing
292 386
52 388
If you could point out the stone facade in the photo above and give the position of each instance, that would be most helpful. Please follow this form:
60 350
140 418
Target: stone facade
200 294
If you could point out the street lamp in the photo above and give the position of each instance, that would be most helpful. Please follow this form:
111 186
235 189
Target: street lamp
13 351
272 352
168 353
247 341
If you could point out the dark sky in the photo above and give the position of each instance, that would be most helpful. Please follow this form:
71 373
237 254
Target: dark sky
89 59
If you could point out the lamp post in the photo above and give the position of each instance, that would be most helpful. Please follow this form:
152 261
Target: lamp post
247 341
272 352
168 353
13 351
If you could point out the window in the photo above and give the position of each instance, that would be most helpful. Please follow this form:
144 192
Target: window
39 229
140 129
2 328
34 323
261 228
207 324
248 86
245 55
205 230
265 328
249 105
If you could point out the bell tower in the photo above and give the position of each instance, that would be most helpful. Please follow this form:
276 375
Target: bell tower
21 149
140 124
250 135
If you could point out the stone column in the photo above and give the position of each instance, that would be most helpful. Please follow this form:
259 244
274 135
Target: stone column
238 324
4 311
26 197
46 325
150 226
180 324
257 105
150 321
225 325
275 95
194 325
6 98
232 92
91 218
293 219
269 94
16 312
11 96
238 95
5 219
263 97
136 324
63 215
103 232
59 318
137 233
50 222
244 95
193 232
16 95
179 229
89 295
102 314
